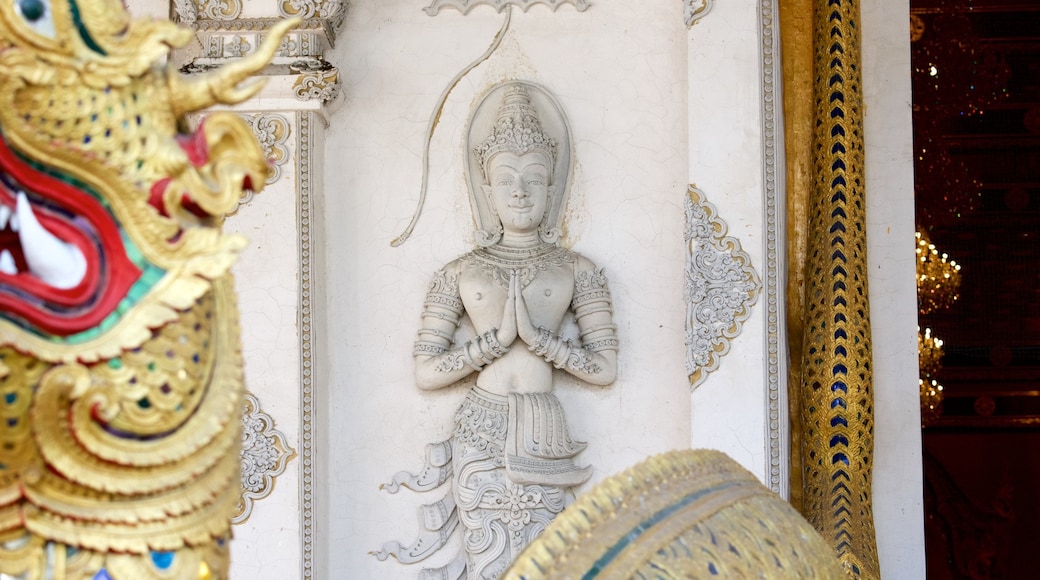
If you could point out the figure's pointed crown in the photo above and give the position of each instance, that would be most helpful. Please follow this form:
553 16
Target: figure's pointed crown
517 130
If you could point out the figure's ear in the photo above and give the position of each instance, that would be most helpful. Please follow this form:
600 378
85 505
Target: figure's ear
552 190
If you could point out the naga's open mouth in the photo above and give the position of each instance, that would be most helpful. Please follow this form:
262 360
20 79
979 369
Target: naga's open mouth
30 247
63 263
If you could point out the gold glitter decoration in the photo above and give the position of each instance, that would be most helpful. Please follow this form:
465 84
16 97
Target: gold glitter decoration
929 356
120 433
930 352
682 514
938 277
938 280
931 400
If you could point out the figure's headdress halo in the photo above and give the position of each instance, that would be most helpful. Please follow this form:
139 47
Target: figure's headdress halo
518 130
519 117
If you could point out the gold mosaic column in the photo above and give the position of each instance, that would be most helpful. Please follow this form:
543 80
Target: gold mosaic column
836 420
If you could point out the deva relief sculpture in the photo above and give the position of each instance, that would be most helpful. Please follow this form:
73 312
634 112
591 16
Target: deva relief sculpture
511 457
120 372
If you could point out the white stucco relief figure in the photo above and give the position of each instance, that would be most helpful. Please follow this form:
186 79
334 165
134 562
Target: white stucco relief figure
511 458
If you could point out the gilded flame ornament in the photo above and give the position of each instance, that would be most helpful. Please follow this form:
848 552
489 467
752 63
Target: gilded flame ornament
120 372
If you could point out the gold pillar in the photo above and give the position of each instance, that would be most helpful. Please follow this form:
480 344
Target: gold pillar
796 48
833 405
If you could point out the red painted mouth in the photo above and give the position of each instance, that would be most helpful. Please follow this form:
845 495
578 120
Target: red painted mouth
73 222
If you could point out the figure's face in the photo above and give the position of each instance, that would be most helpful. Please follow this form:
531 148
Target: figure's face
519 189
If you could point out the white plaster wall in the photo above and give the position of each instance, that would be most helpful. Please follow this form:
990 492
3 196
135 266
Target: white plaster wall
159 9
898 489
619 71
266 278
725 162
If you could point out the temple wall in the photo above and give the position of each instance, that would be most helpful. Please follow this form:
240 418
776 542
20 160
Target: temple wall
330 309
898 479
622 87
726 159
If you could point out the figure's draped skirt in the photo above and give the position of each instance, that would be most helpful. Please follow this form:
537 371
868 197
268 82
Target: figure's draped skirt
499 517
510 461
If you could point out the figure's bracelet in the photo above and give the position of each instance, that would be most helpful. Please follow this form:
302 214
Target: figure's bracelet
477 353
563 353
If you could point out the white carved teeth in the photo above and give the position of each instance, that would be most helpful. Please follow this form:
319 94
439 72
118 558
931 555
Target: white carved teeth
7 265
54 262
5 214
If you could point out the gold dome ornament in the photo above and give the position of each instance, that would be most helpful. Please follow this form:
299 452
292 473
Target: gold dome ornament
683 514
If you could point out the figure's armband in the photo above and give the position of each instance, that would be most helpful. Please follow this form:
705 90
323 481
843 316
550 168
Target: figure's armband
593 311
442 311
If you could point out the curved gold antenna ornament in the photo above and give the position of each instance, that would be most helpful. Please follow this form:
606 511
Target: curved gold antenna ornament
120 372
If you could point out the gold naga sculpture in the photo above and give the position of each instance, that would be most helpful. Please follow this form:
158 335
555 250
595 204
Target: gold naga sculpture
685 514
120 371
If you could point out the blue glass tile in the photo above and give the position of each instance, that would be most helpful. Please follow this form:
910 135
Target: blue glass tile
162 560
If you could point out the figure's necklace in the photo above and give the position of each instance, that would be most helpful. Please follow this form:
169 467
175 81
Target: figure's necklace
499 262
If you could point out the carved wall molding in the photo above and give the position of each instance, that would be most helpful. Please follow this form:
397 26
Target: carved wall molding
464 6
331 11
720 287
300 58
204 25
225 44
694 10
300 83
272 130
188 11
305 173
211 14
777 431
265 455
185 11
219 9
319 85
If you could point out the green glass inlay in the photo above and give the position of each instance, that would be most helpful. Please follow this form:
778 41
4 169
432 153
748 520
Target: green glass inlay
82 28
115 363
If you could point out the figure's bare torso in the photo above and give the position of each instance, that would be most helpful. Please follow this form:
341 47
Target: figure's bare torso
548 296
